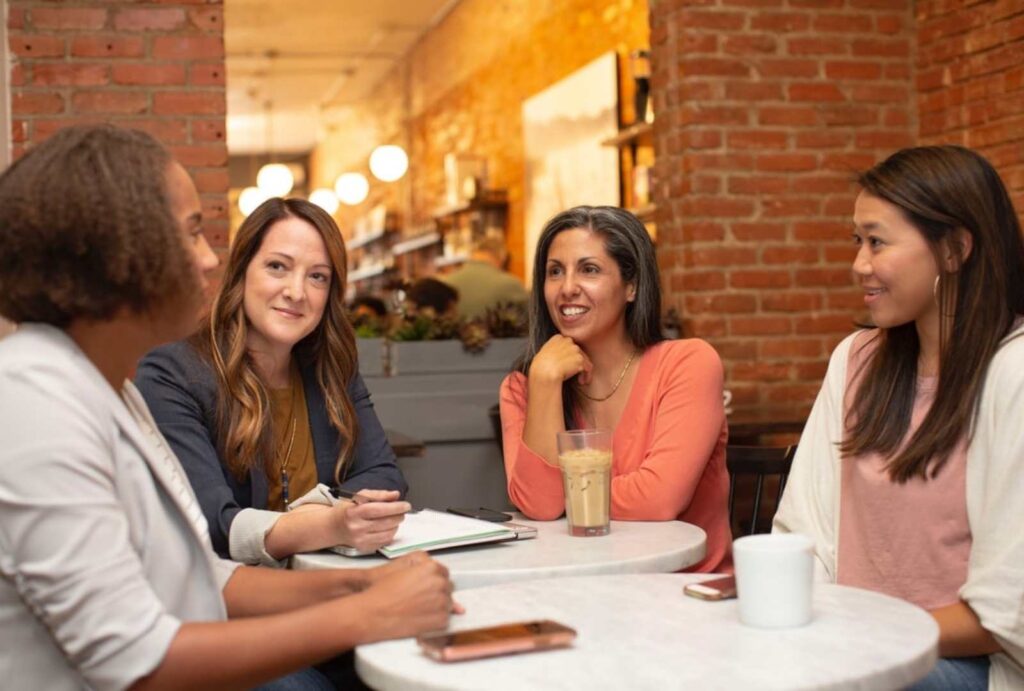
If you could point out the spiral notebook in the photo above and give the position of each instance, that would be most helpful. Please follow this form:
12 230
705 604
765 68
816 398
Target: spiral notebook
429 530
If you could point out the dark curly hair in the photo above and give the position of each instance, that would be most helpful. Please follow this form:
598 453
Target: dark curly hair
86 229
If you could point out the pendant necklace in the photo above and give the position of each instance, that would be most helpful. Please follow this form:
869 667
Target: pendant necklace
284 465
615 388
288 454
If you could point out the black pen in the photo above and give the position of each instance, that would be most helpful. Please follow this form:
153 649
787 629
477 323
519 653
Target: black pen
357 498
354 497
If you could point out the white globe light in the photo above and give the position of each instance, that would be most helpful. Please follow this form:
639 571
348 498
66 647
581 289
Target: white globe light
250 198
351 188
275 179
324 198
389 162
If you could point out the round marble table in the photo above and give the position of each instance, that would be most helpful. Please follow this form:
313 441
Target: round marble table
631 547
641 632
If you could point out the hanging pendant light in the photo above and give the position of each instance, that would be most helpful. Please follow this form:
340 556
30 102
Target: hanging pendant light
250 198
352 188
324 198
389 162
275 179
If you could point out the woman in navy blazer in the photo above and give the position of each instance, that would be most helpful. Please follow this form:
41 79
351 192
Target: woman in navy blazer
264 405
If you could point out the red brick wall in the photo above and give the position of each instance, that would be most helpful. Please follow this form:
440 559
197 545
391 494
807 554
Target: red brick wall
970 81
765 108
155 66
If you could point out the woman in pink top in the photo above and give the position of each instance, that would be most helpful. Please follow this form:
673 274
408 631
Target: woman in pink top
596 358
909 472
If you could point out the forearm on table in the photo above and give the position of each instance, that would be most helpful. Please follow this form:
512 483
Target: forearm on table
258 591
248 652
961 633
301 531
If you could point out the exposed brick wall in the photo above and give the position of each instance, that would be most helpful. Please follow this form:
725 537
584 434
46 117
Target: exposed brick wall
467 80
155 66
765 108
970 81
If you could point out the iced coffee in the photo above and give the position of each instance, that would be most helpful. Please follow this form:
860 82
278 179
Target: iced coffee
585 457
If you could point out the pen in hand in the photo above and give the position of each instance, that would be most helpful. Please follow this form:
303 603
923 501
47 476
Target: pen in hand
354 497
357 498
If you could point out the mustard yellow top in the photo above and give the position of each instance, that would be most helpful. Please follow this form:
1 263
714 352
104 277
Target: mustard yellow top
298 462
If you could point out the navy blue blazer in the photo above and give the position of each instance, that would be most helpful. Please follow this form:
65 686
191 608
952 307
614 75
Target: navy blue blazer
180 390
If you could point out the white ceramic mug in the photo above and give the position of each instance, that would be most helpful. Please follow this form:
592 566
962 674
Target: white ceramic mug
774 576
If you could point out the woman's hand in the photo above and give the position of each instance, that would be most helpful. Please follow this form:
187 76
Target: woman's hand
368 525
408 596
561 359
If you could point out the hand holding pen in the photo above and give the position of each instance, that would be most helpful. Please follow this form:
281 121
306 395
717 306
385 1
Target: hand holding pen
370 517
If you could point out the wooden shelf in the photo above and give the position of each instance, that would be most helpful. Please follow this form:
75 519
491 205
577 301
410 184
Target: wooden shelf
644 213
356 243
368 272
415 243
640 133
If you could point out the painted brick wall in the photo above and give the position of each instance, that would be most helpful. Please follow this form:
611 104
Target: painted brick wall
155 66
765 108
970 81
467 80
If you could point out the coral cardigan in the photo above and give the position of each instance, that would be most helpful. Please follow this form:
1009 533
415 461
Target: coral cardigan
668 449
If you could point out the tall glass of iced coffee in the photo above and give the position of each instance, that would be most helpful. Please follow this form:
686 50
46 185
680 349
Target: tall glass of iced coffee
585 457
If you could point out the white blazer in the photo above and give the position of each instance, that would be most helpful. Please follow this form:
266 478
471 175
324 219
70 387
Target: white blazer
995 497
103 549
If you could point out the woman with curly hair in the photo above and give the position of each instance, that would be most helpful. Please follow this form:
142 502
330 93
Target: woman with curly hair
109 578
264 404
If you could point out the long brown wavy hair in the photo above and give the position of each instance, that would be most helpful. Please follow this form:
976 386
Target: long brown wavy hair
243 406
941 190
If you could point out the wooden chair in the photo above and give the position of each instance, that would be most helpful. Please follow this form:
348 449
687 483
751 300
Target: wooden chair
494 413
759 463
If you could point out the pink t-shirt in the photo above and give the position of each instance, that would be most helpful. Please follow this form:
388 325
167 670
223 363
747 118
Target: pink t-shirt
668 450
910 540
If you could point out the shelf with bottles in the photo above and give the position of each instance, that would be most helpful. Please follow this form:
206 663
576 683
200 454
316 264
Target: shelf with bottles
486 214
369 249
635 144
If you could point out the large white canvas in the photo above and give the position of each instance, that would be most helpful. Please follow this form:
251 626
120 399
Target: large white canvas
566 165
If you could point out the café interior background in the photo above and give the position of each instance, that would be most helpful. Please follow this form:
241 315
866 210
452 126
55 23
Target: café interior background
760 112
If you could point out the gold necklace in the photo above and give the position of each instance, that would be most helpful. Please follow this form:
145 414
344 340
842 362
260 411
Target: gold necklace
614 388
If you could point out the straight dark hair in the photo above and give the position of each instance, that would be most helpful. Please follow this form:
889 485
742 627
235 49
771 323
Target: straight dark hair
942 191
627 242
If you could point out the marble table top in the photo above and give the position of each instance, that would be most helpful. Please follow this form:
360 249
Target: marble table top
641 632
631 547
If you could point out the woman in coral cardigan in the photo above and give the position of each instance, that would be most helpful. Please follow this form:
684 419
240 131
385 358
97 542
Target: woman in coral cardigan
596 358
909 472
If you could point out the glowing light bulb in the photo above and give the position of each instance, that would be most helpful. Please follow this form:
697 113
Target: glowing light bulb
275 179
389 162
352 188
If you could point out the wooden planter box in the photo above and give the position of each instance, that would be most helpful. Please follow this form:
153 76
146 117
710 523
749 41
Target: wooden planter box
439 393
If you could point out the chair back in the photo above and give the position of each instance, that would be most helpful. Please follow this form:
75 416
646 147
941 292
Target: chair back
494 413
758 463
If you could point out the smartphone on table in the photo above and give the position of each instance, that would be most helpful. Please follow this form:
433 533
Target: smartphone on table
715 589
480 513
504 639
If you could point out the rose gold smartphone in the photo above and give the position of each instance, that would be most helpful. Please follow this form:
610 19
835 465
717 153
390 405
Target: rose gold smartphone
716 589
505 639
